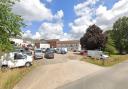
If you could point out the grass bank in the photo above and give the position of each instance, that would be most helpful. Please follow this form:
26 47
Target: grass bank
112 60
11 77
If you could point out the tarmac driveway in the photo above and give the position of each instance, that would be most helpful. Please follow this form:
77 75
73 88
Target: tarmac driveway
57 72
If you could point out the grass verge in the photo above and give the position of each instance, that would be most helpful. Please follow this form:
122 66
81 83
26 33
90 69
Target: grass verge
112 60
11 77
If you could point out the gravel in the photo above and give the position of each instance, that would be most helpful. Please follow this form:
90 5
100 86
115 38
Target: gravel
55 75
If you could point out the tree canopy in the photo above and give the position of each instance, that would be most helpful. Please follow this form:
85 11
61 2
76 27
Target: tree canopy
110 44
10 24
93 38
120 34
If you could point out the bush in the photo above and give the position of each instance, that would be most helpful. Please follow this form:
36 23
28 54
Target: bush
110 49
110 44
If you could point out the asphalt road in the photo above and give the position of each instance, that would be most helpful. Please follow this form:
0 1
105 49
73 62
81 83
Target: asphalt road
115 77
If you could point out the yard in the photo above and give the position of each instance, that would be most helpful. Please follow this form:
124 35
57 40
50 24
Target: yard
112 60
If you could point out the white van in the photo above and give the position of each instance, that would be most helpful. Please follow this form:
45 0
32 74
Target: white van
97 54
15 59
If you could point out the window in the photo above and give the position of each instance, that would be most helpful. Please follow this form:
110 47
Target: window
38 51
18 56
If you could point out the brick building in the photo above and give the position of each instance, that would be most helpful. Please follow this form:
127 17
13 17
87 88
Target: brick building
70 44
53 43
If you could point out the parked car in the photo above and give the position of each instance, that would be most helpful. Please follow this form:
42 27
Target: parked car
24 51
49 54
83 52
43 50
19 50
15 59
38 53
28 52
62 50
74 50
50 49
29 46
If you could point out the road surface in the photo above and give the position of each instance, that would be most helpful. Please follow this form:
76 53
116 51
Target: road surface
57 72
112 78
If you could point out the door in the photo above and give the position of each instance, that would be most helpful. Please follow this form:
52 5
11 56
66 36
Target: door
19 60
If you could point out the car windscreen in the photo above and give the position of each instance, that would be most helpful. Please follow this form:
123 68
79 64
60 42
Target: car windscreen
49 51
38 51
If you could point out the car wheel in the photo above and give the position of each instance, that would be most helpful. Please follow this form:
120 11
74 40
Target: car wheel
28 64
4 68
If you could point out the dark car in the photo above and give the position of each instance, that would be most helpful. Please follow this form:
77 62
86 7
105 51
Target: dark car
49 54
50 49
83 52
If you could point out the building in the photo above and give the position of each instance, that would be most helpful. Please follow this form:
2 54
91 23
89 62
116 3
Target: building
70 44
44 44
41 44
53 43
20 41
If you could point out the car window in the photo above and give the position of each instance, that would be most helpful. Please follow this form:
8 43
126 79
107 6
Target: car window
38 51
18 56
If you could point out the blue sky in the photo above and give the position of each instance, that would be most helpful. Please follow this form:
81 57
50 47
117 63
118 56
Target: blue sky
68 8
65 5
75 16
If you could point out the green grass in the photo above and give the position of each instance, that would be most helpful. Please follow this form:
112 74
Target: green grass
11 77
112 60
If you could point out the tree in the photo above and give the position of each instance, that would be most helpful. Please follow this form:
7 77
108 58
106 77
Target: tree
10 24
120 34
110 45
93 38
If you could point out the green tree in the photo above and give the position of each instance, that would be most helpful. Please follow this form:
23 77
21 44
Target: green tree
110 45
10 24
120 34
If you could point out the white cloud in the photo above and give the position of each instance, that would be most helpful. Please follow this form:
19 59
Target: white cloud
59 15
50 30
84 13
36 36
87 14
84 8
32 10
27 34
53 31
105 18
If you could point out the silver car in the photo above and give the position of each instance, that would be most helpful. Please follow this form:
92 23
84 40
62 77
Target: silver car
38 53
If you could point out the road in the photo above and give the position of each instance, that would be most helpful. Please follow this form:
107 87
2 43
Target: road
56 72
112 78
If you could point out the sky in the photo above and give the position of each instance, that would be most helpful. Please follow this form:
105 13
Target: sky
67 19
